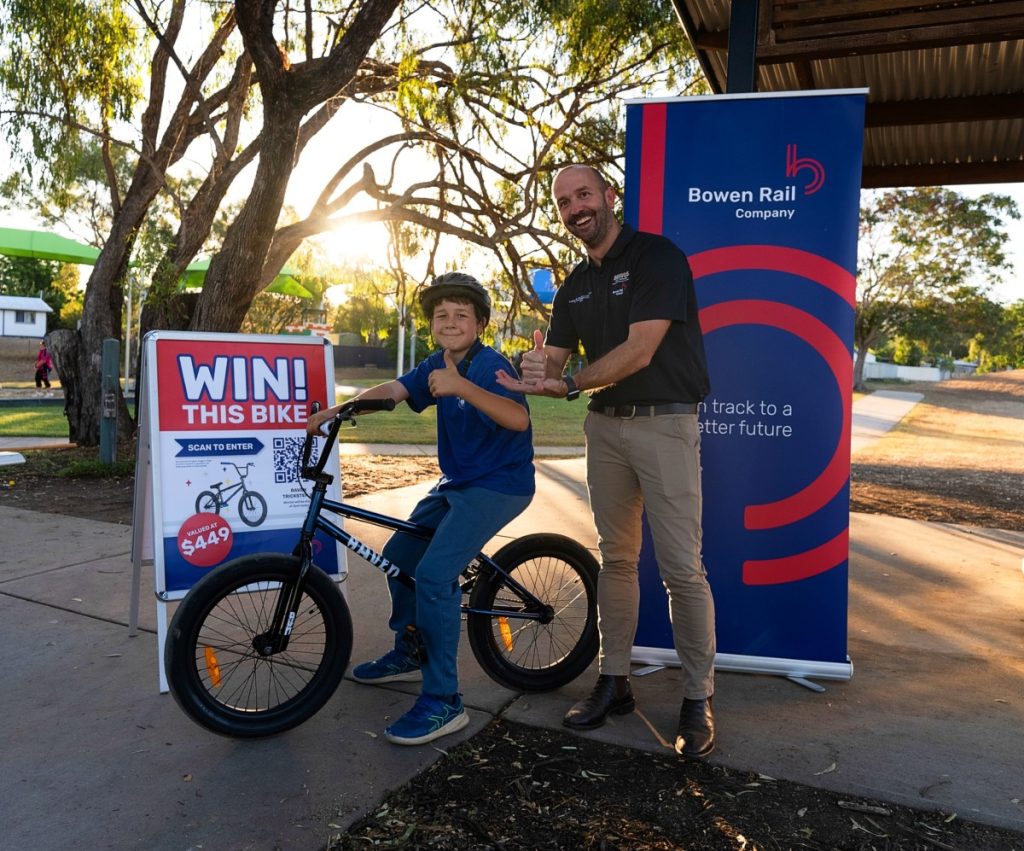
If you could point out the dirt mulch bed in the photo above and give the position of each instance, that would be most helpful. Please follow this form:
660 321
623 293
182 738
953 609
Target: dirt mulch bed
516 787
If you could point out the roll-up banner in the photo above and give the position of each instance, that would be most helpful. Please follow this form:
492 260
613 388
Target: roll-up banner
762 193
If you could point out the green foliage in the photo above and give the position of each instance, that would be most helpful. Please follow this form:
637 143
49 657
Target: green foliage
65 64
96 469
927 259
907 352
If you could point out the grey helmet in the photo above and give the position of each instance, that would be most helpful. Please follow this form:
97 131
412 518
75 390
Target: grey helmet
459 285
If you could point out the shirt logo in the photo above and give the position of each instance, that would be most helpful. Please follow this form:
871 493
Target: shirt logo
619 282
579 298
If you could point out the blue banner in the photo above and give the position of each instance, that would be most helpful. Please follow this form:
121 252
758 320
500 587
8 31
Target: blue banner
762 193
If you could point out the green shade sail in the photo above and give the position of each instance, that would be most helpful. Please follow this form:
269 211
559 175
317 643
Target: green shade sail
284 283
16 242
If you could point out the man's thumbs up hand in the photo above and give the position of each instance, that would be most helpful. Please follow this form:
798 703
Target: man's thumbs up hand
535 361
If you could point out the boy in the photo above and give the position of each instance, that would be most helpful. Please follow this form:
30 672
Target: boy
485 451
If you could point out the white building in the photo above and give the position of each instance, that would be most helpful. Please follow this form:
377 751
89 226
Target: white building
23 316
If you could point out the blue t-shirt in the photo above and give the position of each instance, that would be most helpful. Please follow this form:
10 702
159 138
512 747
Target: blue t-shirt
472 449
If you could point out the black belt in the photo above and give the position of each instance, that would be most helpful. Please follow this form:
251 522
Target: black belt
631 411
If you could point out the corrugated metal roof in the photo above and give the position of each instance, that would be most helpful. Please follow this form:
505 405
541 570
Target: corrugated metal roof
950 110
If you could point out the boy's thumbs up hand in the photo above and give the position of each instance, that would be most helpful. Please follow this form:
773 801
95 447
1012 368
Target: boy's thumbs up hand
447 381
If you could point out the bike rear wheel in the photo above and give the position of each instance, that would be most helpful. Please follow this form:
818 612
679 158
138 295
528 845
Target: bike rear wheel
528 655
214 669
207 501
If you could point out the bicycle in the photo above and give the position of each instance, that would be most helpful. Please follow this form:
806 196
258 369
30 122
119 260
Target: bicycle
252 507
261 643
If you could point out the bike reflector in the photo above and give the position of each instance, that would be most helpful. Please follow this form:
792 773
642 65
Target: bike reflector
506 634
212 666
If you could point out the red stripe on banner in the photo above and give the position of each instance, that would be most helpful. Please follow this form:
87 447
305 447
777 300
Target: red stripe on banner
776 258
652 167
776 571
831 349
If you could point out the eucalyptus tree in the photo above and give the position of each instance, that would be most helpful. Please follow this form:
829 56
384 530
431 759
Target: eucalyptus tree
486 99
52 106
924 246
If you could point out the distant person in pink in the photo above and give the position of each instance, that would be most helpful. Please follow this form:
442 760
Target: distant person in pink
44 363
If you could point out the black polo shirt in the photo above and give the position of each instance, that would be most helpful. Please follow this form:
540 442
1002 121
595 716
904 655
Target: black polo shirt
643 276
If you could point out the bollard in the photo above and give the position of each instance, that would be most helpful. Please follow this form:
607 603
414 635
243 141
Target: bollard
109 389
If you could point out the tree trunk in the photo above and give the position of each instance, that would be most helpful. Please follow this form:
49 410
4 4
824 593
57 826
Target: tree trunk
101 319
858 370
234 276
65 346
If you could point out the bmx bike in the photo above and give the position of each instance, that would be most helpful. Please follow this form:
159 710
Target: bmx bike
252 507
260 644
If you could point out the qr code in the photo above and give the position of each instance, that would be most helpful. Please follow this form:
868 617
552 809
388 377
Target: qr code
288 458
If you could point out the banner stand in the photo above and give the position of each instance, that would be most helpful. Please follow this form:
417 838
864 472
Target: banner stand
792 669
761 192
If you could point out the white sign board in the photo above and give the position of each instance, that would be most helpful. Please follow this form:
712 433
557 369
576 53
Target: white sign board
221 425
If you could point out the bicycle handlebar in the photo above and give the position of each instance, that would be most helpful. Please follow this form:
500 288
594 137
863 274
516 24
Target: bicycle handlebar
347 412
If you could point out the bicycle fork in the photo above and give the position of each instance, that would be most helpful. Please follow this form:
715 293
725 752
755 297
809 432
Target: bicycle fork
275 639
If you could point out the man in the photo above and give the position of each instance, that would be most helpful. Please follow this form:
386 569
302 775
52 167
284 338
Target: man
632 304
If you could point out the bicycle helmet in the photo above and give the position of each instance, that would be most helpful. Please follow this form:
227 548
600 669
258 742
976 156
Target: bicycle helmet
458 285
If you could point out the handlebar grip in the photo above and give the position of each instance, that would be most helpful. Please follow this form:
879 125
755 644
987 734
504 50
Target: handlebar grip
373 405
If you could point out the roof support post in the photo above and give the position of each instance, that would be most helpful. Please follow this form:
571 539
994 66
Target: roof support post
742 70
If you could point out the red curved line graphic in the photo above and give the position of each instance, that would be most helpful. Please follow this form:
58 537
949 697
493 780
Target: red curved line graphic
825 342
777 258
776 571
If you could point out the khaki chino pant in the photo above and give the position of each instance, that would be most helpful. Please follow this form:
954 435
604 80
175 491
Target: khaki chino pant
652 463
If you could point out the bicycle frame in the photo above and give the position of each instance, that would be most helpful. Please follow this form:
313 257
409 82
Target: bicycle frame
286 611
226 493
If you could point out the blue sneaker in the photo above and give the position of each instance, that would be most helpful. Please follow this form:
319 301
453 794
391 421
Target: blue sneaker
393 667
429 719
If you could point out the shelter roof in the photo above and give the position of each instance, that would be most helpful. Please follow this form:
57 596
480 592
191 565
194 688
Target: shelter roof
946 77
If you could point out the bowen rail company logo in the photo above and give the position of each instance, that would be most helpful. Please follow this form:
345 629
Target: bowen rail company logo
795 164
765 202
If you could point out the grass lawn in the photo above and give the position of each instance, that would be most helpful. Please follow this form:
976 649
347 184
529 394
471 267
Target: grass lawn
555 423
33 421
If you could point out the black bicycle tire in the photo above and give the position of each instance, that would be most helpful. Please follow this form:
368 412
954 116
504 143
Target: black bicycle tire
484 637
263 508
213 497
181 655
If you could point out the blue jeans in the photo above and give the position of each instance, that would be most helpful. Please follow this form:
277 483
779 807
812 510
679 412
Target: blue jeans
465 520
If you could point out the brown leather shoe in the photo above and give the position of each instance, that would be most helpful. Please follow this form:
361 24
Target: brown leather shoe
603 701
695 737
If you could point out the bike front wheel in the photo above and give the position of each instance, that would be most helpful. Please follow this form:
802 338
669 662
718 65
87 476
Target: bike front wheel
252 508
536 654
207 502
215 667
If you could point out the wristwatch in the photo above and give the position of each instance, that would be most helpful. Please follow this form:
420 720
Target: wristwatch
573 392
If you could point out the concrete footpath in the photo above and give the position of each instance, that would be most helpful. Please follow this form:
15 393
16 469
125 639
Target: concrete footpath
95 757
